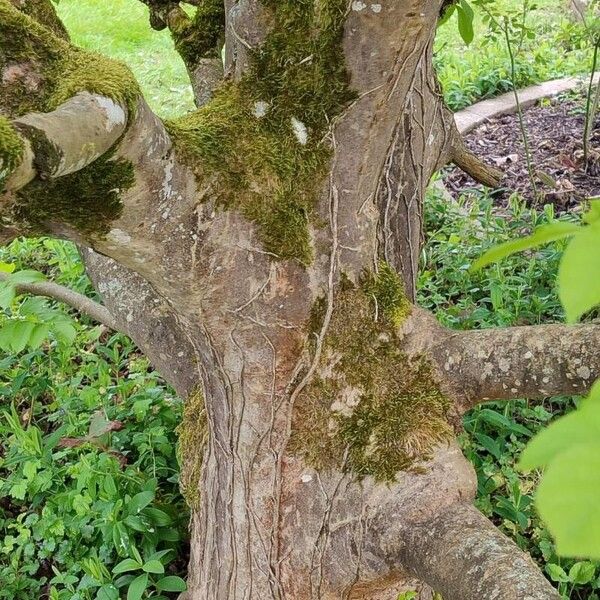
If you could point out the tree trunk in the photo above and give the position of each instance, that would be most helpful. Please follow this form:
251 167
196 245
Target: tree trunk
263 253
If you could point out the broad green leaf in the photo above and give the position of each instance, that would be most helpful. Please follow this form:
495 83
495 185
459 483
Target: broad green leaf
137 587
172 583
64 330
501 422
543 235
126 565
579 273
15 335
38 335
107 592
580 426
7 294
139 502
567 500
582 572
26 276
153 566
557 573
465 21
7 267
158 517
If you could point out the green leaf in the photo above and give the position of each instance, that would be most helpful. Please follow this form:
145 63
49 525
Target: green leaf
543 235
38 335
7 294
158 517
557 573
64 330
26 276
15 335
579 273
503 423
465 21
567 500
7 267
139 502
126 565
107 592
171 583
582 572
593 213
154 566
580 426
137 587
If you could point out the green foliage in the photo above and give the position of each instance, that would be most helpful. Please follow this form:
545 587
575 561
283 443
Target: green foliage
579 272
516 291
568 493
88 474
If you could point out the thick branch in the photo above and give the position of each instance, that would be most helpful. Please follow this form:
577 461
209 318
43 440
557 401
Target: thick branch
464 159
68 138
464 557
518 362
79 302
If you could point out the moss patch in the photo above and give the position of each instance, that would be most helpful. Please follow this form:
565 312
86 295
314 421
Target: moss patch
193 435
11 149
370 410
88 200
260 142
200 36
47 70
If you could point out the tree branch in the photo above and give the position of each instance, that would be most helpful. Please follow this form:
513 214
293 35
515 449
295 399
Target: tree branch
67 139
464 159
75 300
463 556
517 362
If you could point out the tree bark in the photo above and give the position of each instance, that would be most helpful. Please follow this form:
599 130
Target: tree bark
318 452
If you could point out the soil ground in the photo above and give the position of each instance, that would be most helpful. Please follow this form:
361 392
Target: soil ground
555 132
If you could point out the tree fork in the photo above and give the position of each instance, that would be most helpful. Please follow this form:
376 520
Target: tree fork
253 336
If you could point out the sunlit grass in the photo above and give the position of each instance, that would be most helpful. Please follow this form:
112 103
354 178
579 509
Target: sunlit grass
120 29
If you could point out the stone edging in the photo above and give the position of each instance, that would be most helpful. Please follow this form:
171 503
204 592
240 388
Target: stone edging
473 116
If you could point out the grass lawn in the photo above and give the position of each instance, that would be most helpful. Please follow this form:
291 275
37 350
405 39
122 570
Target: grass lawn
64 517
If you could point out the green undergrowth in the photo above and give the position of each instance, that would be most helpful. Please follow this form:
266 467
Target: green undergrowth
260 142
88 469
369 410
517 291
67 70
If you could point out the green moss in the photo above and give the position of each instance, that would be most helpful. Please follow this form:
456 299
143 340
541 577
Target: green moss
44 12
193 435
88 200
49 70
11 149
200 36
370 410
248 142
387 290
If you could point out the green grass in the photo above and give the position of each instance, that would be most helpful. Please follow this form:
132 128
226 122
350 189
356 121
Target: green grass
121 30
558 49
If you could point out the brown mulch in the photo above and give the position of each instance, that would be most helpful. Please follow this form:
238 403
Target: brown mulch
555 131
